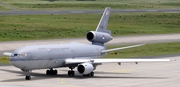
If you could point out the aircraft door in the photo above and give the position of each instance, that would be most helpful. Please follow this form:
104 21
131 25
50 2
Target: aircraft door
29 57
50 56
28 61
46 57
72 53
50 61
98 53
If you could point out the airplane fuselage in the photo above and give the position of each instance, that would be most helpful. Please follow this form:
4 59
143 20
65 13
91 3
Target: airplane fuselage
52 56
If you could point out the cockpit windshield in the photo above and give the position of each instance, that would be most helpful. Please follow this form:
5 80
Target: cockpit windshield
20 55
15 54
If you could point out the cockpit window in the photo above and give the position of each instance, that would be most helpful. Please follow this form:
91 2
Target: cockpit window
20 55
15 54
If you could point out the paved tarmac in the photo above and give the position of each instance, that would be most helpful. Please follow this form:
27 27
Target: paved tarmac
79 11
127 75
156 74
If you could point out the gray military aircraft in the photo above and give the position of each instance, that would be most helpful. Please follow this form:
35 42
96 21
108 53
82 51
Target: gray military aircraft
86 57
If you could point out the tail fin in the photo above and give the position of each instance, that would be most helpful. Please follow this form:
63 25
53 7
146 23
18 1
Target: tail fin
101 35
104 21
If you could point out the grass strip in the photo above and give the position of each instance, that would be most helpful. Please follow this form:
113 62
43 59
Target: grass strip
146 50
4 60
30 27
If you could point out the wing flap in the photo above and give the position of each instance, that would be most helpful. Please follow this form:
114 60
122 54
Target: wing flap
72 61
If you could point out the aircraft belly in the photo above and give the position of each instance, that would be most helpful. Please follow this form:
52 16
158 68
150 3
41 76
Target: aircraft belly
43 64
56 63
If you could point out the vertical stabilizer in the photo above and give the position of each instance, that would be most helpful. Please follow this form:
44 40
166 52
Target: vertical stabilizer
104 21
101 35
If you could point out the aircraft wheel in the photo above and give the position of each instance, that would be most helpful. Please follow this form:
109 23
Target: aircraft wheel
47 72
52 72
71 73
55 72
92 74
86 75
89 75
28 77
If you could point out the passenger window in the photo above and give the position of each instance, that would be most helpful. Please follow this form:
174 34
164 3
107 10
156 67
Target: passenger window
21 55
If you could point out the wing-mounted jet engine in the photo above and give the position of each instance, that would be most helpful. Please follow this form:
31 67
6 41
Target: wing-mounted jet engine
86 69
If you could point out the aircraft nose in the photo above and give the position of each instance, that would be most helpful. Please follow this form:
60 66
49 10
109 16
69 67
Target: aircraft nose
15 61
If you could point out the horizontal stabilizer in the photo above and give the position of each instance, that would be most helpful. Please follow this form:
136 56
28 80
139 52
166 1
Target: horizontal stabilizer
7 53
77 61
121 48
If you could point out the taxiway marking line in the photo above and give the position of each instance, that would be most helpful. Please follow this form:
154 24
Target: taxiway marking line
63 82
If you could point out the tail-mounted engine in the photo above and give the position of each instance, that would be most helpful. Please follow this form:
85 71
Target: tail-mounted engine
98 37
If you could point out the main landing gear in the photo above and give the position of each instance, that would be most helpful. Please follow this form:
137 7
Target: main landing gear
90 74
71 72
48 72
51 72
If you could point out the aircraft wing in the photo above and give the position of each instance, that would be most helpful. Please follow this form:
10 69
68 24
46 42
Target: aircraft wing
121 48
7 53
78 61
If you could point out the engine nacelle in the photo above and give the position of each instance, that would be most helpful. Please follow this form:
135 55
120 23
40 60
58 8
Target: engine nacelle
85 68
99 37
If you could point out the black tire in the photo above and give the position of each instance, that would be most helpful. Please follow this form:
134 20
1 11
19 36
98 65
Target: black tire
86 75
28 77
69 73
72 73
47 72
89 75
92 74
51 72
55 72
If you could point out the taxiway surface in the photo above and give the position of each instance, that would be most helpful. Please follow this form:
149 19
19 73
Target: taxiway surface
79 11
156 74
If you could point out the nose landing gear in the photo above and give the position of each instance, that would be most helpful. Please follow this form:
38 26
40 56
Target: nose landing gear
28 77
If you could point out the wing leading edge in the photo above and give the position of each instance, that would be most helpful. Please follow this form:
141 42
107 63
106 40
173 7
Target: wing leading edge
78 61
121 48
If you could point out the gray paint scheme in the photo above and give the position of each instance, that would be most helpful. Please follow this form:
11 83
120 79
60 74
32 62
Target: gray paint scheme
51 56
